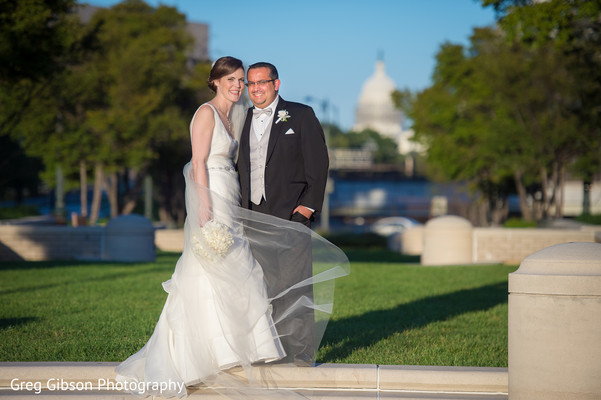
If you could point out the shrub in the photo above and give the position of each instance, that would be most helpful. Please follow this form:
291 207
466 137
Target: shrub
18 211
355 240
519 223
593 219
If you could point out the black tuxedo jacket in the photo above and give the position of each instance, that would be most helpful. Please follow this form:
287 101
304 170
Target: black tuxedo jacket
296 169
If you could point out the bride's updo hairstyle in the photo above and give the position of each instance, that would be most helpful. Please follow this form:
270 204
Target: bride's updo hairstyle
222 67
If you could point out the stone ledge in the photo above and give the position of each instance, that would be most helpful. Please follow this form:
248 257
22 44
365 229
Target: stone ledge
360 381
447 379
308 394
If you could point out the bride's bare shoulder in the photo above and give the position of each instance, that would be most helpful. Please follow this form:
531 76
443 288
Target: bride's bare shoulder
203 116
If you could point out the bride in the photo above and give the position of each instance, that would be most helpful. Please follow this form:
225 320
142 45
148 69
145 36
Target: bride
218 313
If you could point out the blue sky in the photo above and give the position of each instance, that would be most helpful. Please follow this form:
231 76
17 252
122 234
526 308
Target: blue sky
326 49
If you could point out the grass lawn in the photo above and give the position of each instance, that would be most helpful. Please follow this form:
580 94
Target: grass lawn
389 310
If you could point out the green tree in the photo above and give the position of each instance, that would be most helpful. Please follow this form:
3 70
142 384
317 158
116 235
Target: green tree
61 139
113 96
572 30
512 108
175 149
452 119
535 93
491 116
18 172
141 104
35 42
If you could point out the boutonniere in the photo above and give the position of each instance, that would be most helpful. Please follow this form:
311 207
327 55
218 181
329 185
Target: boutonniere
282 116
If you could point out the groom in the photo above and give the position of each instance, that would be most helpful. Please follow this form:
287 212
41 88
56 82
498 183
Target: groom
284 144
283 167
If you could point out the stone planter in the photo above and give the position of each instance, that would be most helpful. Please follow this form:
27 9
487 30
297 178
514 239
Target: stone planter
555 324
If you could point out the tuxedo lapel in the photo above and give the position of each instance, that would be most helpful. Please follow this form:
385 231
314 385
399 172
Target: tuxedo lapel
244 139
276 129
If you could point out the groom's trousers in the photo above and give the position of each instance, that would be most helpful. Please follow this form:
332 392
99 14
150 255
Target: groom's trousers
297 331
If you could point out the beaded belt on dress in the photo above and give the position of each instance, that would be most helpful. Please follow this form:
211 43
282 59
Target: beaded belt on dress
228 168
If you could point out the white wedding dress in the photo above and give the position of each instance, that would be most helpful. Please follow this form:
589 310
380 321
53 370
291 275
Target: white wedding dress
218 314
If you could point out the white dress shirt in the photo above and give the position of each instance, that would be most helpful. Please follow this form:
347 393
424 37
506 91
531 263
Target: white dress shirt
264 121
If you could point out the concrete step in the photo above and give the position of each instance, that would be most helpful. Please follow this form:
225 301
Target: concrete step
314 395
90 381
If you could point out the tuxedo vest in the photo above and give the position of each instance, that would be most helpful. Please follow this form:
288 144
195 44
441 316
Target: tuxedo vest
258 157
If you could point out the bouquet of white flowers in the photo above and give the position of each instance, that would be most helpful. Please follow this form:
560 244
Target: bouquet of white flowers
213 238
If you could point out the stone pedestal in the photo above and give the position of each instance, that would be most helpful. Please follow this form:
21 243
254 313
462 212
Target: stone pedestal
411 240
130 238
555 324
447 241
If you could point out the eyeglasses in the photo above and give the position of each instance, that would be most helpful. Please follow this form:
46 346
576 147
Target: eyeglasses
259 83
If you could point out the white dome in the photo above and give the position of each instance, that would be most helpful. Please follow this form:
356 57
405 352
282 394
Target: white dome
378 88
376 110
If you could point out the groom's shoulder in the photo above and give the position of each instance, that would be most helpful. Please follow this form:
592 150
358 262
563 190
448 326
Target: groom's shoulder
299 107
294 104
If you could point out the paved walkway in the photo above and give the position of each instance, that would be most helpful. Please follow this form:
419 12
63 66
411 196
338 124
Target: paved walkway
89 380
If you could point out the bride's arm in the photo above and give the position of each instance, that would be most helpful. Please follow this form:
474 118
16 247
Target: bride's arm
202 133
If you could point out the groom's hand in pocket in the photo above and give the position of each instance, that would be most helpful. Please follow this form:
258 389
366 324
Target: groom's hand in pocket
302 214
304 211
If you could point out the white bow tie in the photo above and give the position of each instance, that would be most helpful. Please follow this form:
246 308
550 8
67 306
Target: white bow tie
257 112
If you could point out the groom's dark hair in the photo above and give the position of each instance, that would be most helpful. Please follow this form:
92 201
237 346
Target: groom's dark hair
273 72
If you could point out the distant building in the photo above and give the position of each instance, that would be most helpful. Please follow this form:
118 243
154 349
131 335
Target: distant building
341 158
376 111
198 31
